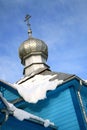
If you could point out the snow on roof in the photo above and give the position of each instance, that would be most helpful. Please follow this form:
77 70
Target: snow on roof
35 89
21 114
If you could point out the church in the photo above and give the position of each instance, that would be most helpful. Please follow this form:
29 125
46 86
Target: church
42 99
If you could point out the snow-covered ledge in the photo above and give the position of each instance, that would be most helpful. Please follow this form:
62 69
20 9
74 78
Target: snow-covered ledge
35 89
22 115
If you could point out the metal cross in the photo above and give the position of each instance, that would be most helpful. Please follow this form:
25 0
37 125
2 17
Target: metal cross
27 17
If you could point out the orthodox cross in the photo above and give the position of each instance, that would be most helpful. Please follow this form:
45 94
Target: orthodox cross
27 17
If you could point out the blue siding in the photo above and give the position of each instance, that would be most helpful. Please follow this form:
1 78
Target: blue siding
84 97
7 87
14 124
83 93
77 107
8 94
59 109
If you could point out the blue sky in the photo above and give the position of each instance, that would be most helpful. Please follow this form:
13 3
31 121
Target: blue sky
62 24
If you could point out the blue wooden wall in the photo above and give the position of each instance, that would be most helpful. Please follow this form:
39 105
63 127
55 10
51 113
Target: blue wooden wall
8 92
83 92
14 124
59 108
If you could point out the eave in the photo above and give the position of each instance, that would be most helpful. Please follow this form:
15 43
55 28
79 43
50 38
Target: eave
8 113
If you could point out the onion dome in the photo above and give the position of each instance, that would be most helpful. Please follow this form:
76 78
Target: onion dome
32 46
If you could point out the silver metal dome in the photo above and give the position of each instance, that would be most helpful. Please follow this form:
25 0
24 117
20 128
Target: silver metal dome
32 46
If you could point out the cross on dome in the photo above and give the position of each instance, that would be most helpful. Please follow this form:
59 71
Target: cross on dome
27 17
33 52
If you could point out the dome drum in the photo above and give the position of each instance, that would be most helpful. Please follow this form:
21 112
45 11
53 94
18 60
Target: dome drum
33 54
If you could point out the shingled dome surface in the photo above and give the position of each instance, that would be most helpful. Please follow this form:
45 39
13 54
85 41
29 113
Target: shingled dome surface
32 46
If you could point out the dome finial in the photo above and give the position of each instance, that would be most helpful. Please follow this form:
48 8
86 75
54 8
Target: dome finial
27 17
